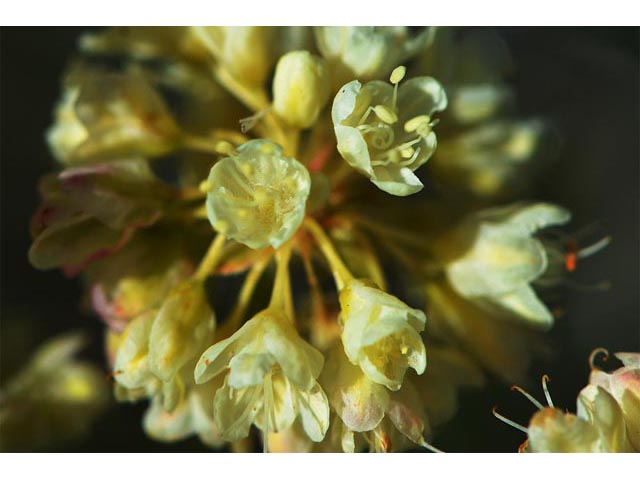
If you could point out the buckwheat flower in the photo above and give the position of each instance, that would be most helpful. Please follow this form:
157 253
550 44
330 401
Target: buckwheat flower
159 343
386 132
300 88
365 407
367 53
381 334
623 385
192 416
246 53
105 114
600 425
258 196
493 258
271 380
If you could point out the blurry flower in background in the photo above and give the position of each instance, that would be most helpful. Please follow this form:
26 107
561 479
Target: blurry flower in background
53 399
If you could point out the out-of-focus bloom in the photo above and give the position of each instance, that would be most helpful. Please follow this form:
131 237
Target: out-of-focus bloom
246 53
367 53
386 132
493 258
91 211
300 88
271 380
54 398
381 334
156 345
104 115
258 196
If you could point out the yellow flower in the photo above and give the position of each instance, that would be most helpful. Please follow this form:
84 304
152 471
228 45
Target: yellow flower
381 333
492 258
624 385
385 418
258 196
110 115
159 343
386 132
271 379
367 53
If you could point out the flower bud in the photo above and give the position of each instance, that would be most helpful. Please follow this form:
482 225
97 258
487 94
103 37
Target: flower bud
300 88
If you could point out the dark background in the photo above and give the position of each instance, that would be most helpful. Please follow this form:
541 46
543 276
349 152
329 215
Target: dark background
585 80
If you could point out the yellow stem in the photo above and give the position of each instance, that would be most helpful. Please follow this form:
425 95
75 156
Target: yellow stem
281 294
371 259
341 273
211 258
199 144
245 296
408 238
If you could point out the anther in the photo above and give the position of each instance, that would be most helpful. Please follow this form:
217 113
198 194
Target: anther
205 186
385 114
413 124
398 74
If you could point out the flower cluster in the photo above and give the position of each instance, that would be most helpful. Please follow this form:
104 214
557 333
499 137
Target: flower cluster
216 153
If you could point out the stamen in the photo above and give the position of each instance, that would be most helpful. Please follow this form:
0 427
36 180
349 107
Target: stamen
595 248
365 115
594 354
396 77
430 447
545 379
511 423
248 123
528 396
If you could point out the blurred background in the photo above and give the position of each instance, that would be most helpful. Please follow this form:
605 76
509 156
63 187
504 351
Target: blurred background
584 80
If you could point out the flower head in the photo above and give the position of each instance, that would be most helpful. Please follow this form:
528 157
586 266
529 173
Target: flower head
386 132
258 196
381 333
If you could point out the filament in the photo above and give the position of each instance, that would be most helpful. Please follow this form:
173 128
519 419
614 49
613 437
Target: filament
528 396
594 354
511 423
545 379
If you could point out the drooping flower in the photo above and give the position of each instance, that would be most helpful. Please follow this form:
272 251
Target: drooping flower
109 115
493 258
385 419
159 343
386 132
271 380
381 333
258 196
